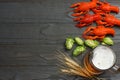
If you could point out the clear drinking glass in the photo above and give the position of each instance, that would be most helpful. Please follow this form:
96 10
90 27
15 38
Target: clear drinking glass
102 58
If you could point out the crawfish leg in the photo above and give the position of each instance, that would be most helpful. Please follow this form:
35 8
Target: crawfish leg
94 37
75 5
101 22
90 37
77 14
98 11
88 30
78 18
101 37
80 25
109 25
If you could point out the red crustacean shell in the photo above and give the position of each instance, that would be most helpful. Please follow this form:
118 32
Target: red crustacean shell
83 7
101 30
101 15
87 19
105 7
109 20
98 32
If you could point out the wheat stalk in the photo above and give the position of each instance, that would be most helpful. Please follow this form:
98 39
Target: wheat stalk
69 66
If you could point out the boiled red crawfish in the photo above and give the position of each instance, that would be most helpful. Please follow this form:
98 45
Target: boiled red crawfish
83 7
87 19
98 32
102 17
109 21
105 7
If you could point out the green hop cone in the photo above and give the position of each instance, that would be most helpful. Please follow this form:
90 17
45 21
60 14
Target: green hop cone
69 43
79 41
91 43
96 42
78 50
108 41
103 43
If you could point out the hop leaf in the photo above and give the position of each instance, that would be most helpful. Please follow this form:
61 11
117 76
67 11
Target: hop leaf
69 43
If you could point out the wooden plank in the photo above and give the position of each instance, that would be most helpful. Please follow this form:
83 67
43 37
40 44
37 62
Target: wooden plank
19 12
48 0
36 33
34 54
27 55
28 73
51 33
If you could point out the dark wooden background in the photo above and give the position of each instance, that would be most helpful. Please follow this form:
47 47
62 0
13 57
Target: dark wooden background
30 33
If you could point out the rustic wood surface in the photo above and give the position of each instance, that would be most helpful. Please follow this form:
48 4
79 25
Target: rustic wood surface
30 33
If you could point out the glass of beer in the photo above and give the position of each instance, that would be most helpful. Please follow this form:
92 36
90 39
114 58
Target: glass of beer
99 60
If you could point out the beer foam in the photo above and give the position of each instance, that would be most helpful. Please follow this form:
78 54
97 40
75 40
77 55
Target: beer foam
103 58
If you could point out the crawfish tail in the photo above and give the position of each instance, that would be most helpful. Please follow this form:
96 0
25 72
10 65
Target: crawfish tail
111 31
115 9
118 22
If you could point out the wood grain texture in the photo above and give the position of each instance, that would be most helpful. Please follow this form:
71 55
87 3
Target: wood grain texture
30 33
